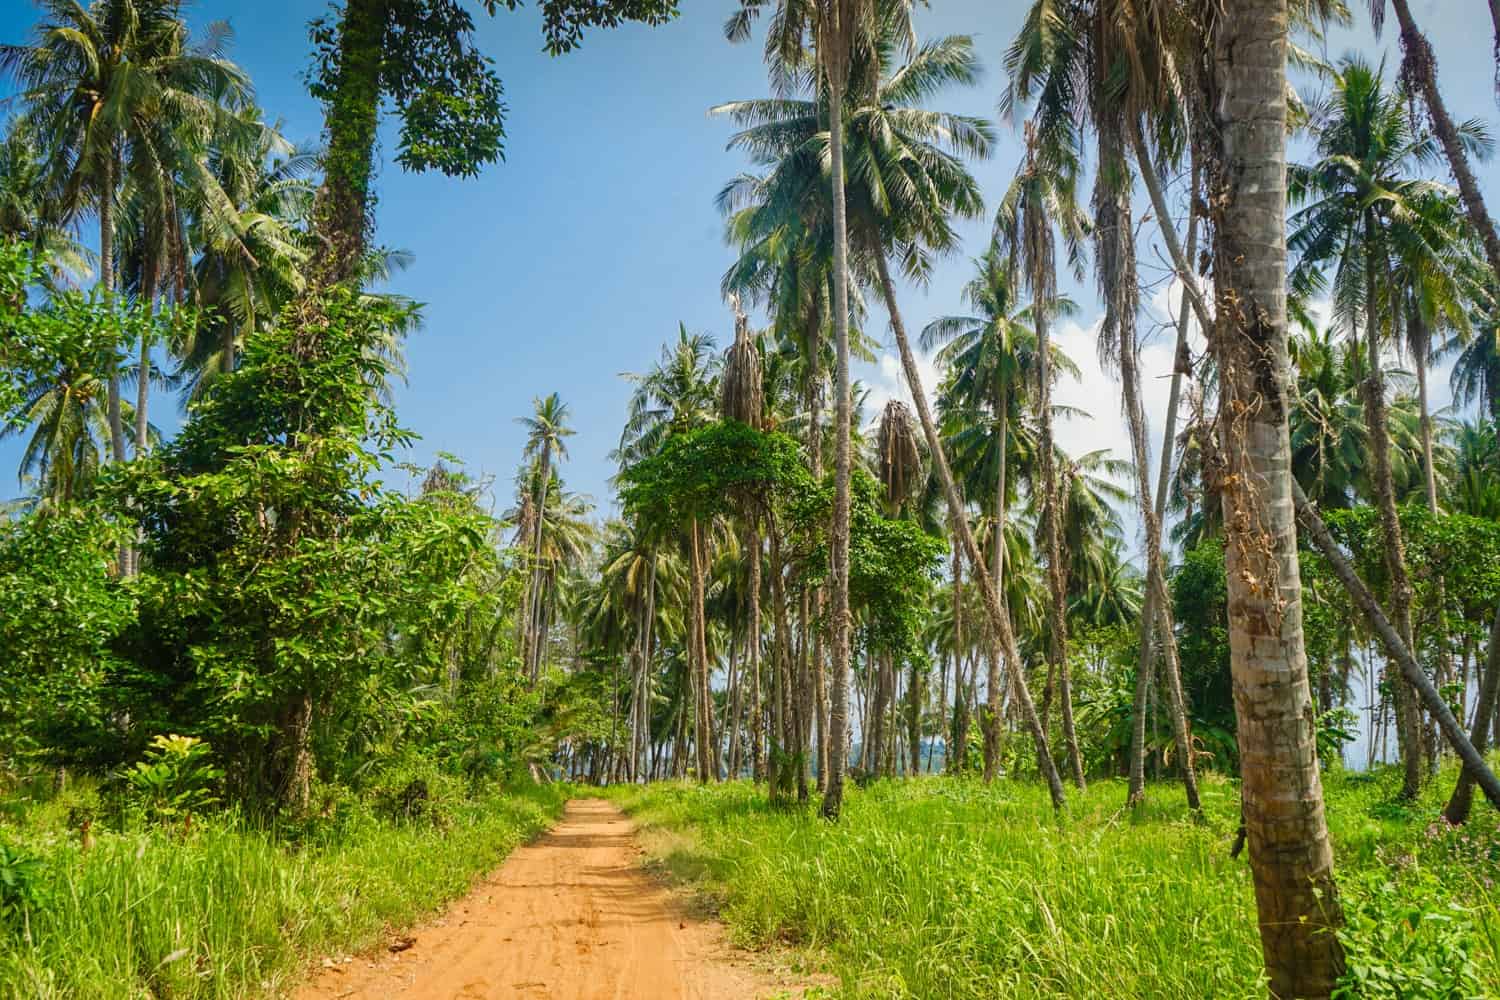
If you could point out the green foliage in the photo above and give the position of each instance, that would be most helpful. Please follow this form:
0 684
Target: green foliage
723 468
177 778
1405 941
893 563
21 892
948 888
62 613
228 910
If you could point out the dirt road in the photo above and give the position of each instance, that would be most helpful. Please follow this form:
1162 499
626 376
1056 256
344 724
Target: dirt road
570 917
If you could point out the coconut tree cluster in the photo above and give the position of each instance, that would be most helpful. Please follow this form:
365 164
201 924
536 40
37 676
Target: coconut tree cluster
804 580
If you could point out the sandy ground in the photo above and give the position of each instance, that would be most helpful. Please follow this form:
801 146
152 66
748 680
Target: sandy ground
570 917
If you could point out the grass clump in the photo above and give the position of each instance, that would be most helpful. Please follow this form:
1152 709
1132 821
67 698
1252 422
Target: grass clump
937 888
225 906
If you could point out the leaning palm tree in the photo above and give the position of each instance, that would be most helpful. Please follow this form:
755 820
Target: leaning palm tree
1360 213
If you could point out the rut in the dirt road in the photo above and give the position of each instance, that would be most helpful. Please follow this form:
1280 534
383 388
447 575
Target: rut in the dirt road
570 917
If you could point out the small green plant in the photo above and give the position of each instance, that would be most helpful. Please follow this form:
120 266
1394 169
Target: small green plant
21 892
1336 727
1405 941
177 778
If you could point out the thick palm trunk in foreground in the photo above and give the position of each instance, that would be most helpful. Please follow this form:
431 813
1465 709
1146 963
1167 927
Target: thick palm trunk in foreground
999 618
1282 793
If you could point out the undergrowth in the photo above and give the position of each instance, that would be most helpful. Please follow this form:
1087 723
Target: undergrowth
950 890
222 906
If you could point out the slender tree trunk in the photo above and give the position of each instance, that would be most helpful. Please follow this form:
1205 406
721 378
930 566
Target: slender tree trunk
1462 800
1408 719
995 610
753 654
703 725
1397 652
1419 65
960 717
1428 469
1282 793
1057 573
994 723
1118 247
838 716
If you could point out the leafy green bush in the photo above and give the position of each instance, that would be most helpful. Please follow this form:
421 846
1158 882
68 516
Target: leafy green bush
21 891
1405 938
177 778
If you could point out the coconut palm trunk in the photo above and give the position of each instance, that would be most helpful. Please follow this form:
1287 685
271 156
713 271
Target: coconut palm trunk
994 722
1118 272
1420 65
1408 719
1057 579
107 282
995 610
1291 855
838 711
703 698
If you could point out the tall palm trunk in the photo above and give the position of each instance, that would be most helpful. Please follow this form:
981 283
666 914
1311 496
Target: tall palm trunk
1057 579
1408 719
1419 360
1181 367
1281 791
995 610
815 454
107 282
838 713
533 626
1118 266
1419 64
752 655
703 698
994 723
959 748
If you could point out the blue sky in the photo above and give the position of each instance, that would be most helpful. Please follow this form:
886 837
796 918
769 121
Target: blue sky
575 259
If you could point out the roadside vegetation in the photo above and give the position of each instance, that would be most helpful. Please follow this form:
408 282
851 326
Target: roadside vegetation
952 889
267 687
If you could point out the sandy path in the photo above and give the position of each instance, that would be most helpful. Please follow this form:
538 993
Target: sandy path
570 917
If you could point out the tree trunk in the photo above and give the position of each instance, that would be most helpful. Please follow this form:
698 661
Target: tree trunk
1408 719
993 723
838 715
753 654
995 610
1396 650
1462 800
703 697
1282 793
1115 226
342 206
1057 573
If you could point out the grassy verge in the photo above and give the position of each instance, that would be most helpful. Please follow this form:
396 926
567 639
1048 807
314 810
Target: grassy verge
944 889
229 908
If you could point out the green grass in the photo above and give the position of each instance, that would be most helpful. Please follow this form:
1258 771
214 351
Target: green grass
938 888
236 910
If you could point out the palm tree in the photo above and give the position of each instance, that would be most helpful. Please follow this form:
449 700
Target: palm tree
991 359
680 394
1281 790
1041 202
840 31
249 268
104 85
547 431
1459 142
1361 215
